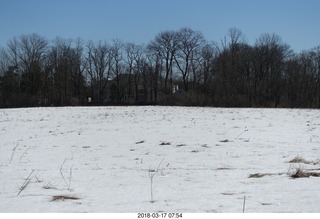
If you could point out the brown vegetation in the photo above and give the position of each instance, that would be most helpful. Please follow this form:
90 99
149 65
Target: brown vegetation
303 174
300 160
63 197
224 141
259 175
165 143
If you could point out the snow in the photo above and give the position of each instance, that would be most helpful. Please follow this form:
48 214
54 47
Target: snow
201 159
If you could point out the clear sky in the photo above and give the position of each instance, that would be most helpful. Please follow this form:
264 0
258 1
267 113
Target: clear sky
296 21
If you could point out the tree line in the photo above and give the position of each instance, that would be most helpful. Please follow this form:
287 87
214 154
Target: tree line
175 68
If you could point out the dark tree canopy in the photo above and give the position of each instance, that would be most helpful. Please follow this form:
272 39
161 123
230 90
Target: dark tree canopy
178 67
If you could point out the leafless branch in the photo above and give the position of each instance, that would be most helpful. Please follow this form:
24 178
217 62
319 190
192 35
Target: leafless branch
26 182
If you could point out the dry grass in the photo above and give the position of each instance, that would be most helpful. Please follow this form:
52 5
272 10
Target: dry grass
224 168
140 142
165 143
303 174
225 141
63 197
227 193
26 183
300 160
259 175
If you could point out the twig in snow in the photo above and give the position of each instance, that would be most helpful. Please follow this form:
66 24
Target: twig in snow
244 204
38 180
245 130
13 152
26 182
62 173
70 175
152 173
23 154
159 165
63 177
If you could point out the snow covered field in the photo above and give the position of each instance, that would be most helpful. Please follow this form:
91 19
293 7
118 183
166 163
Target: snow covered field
158 159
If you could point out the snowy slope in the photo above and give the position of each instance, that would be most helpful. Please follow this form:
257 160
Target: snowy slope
197 159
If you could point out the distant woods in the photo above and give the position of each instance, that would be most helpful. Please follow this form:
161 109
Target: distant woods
174 68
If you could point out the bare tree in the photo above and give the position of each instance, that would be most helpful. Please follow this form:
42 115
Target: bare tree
165 45
4 61
189 43
302 79
154 61
130 49
99 66
8 76
270 56
267 73
208 55
236 38
315 53
117 56
79 65
28 53
134 55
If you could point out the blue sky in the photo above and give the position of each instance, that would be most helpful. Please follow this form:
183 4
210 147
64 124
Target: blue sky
296 21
